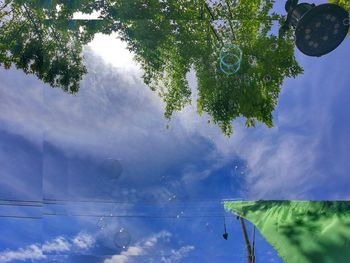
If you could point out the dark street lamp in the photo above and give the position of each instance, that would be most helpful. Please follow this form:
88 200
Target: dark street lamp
318 29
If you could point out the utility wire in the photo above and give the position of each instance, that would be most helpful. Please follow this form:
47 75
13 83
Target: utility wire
21 201
21 205
112 216
135 216
37 203
20 217
55 201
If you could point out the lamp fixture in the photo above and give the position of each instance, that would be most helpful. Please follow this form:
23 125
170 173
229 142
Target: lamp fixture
318 29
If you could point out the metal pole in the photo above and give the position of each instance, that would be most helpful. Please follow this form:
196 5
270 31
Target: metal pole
246 239
253 246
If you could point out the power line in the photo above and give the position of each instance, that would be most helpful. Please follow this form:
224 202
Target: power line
21 205
54 201
111 201
175 200
182 216
21 201
20 217
113 216
135 216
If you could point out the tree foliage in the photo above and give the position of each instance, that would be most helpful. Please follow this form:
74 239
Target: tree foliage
31 40
169 48
169 39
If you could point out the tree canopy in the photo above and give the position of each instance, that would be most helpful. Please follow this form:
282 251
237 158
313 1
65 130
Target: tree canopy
169 39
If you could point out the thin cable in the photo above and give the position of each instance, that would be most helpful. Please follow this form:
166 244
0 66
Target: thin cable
111 216
21 205
114 216
20 217
63 201
21 201
166 203
135 216
54 201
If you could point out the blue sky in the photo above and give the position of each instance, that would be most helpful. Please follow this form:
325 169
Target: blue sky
167 197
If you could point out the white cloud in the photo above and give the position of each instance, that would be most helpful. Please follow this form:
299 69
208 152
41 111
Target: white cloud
32 252
114 113
177 255
115 52
283 168
148 245
114 98
58 245
132 251
83 241
152 241
139 249
110 116
280 163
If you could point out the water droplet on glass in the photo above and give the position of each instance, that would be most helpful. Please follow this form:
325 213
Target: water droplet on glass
173 197
274 47
122 239
102 224
346 22
110 170
179 215
267 78
209 227
252 61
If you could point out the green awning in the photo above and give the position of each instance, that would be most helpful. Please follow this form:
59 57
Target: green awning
301 231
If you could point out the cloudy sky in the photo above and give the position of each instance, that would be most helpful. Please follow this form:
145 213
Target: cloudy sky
119 187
